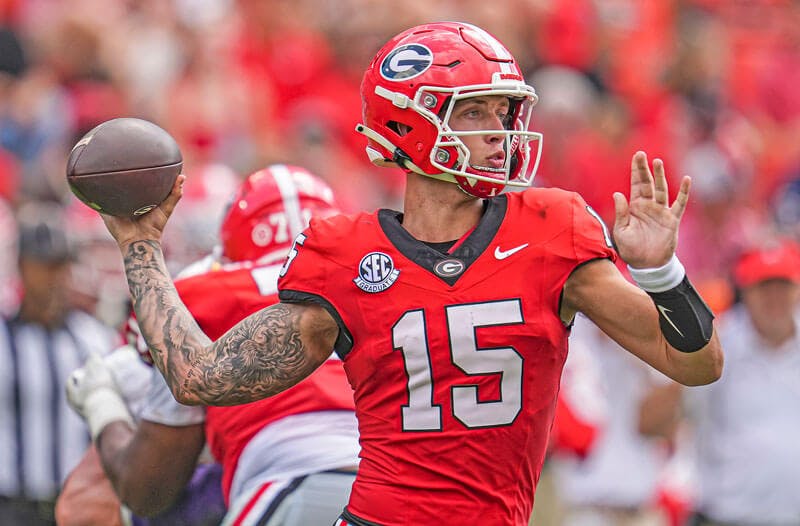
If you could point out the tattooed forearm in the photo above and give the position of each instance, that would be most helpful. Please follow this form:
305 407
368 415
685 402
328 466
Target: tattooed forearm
261 356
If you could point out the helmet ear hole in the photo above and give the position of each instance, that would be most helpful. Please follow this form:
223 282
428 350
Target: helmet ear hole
399 128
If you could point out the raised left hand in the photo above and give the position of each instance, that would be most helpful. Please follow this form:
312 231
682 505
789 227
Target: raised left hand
646 227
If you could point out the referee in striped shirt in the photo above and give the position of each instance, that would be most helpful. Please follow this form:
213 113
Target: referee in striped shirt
41 438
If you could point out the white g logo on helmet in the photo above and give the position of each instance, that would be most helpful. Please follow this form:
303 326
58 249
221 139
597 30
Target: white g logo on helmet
406 62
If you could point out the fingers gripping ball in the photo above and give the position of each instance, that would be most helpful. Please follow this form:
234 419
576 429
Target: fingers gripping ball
124 167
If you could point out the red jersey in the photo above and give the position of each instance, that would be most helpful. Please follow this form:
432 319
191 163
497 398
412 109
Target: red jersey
455 358
218 300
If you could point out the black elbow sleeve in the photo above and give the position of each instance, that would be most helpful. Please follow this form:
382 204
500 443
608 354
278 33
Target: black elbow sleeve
685 319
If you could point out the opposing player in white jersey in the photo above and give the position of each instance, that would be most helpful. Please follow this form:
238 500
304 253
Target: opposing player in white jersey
287 460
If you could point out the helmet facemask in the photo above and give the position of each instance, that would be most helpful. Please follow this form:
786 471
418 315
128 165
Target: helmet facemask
450 156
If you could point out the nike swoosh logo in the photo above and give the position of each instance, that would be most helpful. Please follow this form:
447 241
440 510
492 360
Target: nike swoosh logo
664 311
503 254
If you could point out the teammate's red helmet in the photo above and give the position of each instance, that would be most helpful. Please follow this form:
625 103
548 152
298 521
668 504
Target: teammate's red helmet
269 209
408 94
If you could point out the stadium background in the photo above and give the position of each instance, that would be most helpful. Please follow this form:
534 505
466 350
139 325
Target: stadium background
707 85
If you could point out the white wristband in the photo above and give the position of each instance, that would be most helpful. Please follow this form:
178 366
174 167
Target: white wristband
659 279
103 407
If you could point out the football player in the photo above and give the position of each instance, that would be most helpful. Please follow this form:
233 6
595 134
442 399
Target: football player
451 317
287 460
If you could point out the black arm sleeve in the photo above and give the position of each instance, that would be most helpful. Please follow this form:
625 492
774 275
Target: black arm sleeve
685 319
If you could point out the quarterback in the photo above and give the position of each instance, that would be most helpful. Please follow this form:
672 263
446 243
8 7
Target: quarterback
451 317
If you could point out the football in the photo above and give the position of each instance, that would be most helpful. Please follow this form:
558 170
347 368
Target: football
124 167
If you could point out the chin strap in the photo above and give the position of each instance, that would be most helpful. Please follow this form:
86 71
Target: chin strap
400 159
373 154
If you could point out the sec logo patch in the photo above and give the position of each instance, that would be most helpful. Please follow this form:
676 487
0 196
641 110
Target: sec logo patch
376 272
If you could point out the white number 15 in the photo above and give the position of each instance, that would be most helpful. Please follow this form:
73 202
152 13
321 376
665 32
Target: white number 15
409 336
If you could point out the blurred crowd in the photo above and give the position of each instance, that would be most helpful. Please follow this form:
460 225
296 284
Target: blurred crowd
707 85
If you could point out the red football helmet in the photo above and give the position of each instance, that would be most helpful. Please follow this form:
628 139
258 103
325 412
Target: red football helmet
270 208
410 89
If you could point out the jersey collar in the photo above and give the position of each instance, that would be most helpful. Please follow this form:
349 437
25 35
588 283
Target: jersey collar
467 252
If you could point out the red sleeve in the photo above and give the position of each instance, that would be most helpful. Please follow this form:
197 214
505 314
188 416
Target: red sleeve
591 237
306 266
310 267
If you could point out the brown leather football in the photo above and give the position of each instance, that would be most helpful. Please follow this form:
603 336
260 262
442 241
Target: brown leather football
124 167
